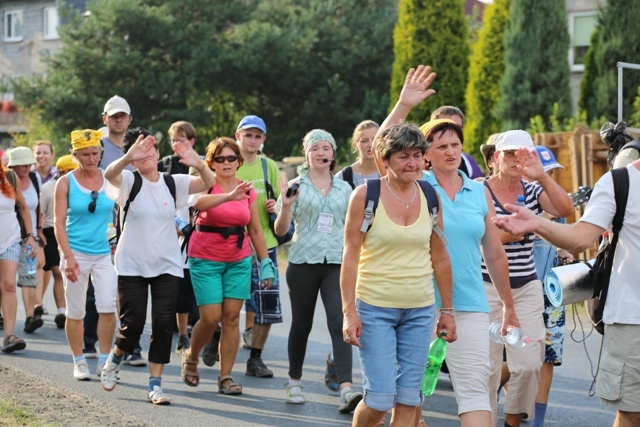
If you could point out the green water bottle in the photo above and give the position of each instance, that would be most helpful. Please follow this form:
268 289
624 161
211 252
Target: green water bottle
437 353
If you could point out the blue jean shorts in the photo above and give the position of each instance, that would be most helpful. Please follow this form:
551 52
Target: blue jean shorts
394 345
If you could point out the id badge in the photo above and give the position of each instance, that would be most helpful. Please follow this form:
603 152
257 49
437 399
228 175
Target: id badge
325 222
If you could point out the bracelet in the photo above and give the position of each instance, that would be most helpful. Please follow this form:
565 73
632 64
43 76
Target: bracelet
447 312
446 309
38 228
31 234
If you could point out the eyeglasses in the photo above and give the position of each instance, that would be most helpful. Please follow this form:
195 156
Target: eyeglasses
92 204
221 159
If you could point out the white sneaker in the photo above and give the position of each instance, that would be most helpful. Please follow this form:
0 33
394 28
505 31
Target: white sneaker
99 371
247 339
349 400
294 394
81 371
157 397
109 376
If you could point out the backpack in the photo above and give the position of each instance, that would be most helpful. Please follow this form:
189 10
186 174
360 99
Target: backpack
601 270
373 197
347 175
121 214
272 217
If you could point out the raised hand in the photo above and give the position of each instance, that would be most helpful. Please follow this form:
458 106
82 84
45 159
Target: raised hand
241 192
187 154
143 148
283 184
416 86
522 221
529 164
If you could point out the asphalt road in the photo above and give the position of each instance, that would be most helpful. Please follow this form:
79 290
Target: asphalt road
262 404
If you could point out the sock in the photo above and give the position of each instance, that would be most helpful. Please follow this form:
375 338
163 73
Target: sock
102 358
541 410
62 310
116 359
255 352
77 359
345 390
295 382
155 381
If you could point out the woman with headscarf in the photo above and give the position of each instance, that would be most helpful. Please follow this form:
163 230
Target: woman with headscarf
10 248
82 213
317 203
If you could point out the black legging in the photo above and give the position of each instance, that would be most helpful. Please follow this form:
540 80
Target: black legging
133 292
304 282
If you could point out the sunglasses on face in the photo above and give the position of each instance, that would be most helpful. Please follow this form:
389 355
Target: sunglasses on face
92 204
221 159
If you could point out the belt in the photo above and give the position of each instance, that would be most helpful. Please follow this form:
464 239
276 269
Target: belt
225 231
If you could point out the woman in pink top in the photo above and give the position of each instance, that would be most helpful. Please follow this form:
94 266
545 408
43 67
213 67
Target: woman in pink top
220 261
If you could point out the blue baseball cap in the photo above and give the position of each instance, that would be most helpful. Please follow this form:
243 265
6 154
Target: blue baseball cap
249 122
547 158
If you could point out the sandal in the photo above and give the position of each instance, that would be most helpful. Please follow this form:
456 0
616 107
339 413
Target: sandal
13 343
232 389
189 371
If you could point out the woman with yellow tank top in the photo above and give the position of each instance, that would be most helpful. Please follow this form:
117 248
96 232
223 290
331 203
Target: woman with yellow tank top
387 282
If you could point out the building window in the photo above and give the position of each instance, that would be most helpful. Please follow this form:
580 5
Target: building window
50 22
13 26
581 26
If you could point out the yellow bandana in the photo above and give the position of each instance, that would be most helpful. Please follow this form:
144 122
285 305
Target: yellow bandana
425 128
65 163
85 138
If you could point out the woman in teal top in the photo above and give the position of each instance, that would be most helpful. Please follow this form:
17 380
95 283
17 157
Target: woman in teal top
467 209
82 215
319 208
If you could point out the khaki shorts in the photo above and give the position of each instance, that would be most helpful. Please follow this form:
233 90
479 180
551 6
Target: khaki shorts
619 373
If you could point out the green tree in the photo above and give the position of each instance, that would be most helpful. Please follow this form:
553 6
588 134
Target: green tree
614 40
299 64
432 32
536 71
485 73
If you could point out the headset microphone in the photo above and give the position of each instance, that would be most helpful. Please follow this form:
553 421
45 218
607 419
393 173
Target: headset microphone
325 160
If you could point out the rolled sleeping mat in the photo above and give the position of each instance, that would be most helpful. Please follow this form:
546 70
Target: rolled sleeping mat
569 284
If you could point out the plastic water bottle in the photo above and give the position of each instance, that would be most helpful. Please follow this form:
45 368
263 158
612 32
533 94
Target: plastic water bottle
32 265
180 222
516 337
520 201
112 237
437 353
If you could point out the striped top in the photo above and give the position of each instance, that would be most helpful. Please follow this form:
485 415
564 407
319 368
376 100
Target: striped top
522 269
319 222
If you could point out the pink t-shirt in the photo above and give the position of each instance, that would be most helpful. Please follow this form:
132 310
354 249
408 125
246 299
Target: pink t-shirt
213 246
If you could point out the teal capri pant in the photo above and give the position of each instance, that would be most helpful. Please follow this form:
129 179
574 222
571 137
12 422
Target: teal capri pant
215 281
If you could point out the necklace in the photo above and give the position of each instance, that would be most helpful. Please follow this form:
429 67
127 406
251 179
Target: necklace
406 204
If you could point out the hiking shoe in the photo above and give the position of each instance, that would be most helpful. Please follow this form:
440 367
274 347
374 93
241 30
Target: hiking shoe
247 338
210 352
90 353
331 375
294 394
135 360
257 368
348 401
13 343
157 397
109 376
183 344
32 324
81 371
60 320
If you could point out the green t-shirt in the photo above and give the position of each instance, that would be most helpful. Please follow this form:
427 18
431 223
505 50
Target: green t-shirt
253 172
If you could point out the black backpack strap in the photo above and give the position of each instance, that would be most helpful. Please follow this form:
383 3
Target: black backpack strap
36 185
370 203
347 175
171 184
135 189
271 194
633 144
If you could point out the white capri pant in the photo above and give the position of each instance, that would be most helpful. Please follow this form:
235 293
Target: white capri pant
105 284
468 362
524 363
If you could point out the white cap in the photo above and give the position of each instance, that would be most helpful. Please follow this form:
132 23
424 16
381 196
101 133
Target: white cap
115 105
513 140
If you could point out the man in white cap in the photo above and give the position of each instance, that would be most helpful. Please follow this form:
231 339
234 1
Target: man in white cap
116 116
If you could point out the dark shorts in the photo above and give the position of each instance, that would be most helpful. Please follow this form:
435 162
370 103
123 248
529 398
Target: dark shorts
265 303
51 254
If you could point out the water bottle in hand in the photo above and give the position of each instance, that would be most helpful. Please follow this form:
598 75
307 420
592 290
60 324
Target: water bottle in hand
437 353
32 265
516 337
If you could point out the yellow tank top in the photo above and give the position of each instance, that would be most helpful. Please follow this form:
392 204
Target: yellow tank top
395 268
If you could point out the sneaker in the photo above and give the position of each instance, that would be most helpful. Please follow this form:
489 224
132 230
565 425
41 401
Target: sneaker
100 367
90 353
210 352
32 324
60 320
81 371
331 375
39 311
183 344
157 397
349 401
109 376
13 343
257 368
294 394
247 338
135 360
